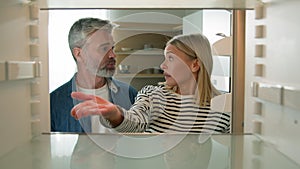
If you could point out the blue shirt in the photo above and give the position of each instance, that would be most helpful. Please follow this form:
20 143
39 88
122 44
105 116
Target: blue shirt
61 104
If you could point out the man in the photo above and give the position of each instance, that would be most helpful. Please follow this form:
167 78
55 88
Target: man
91 44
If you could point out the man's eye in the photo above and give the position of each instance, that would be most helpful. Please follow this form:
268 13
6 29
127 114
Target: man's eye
105 48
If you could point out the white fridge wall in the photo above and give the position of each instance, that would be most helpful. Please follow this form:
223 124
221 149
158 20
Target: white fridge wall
24 98
274 122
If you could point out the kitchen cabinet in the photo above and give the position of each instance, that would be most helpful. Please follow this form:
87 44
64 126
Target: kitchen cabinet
144 67
140 45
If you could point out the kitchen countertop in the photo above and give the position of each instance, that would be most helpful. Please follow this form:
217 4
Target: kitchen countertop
130 151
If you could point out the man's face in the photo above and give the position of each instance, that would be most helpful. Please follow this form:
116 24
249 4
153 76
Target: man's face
97 54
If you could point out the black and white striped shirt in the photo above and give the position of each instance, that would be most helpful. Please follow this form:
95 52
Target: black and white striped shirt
159 110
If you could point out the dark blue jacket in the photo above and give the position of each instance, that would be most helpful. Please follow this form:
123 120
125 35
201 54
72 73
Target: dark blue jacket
61 104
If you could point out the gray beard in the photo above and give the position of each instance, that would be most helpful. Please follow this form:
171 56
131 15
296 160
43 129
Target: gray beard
103 72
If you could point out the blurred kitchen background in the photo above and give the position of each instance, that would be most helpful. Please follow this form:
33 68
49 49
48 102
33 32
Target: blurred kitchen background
140 38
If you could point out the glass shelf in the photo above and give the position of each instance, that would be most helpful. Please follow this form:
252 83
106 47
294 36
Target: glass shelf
164 151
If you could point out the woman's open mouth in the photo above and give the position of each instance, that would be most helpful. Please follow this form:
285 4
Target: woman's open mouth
167 75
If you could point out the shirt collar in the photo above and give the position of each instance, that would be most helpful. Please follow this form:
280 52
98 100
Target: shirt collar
110 83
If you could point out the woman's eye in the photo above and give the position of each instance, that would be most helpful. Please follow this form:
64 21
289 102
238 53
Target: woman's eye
171 58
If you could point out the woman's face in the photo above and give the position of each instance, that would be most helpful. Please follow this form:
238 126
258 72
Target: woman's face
179 69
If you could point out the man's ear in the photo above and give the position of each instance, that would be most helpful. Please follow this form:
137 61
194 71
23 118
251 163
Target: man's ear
195 65
76 52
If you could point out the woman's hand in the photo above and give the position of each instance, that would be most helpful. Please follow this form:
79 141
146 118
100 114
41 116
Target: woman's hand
94 105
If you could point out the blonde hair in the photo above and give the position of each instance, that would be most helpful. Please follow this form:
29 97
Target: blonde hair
197 46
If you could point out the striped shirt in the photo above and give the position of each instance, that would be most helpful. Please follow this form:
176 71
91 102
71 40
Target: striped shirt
159 110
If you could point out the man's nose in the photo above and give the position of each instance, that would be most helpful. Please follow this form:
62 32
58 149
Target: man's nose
111 54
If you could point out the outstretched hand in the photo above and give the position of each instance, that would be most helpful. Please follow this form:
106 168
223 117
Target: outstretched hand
94 105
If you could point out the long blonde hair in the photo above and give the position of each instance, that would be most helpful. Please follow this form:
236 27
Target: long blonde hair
197 46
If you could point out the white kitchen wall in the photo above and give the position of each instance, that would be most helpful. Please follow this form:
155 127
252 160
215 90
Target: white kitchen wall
219 21
209 23
193 23
60 57
216 21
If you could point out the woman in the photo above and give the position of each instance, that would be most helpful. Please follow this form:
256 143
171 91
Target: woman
181 104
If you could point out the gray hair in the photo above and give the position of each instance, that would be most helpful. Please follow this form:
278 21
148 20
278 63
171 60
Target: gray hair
83 28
